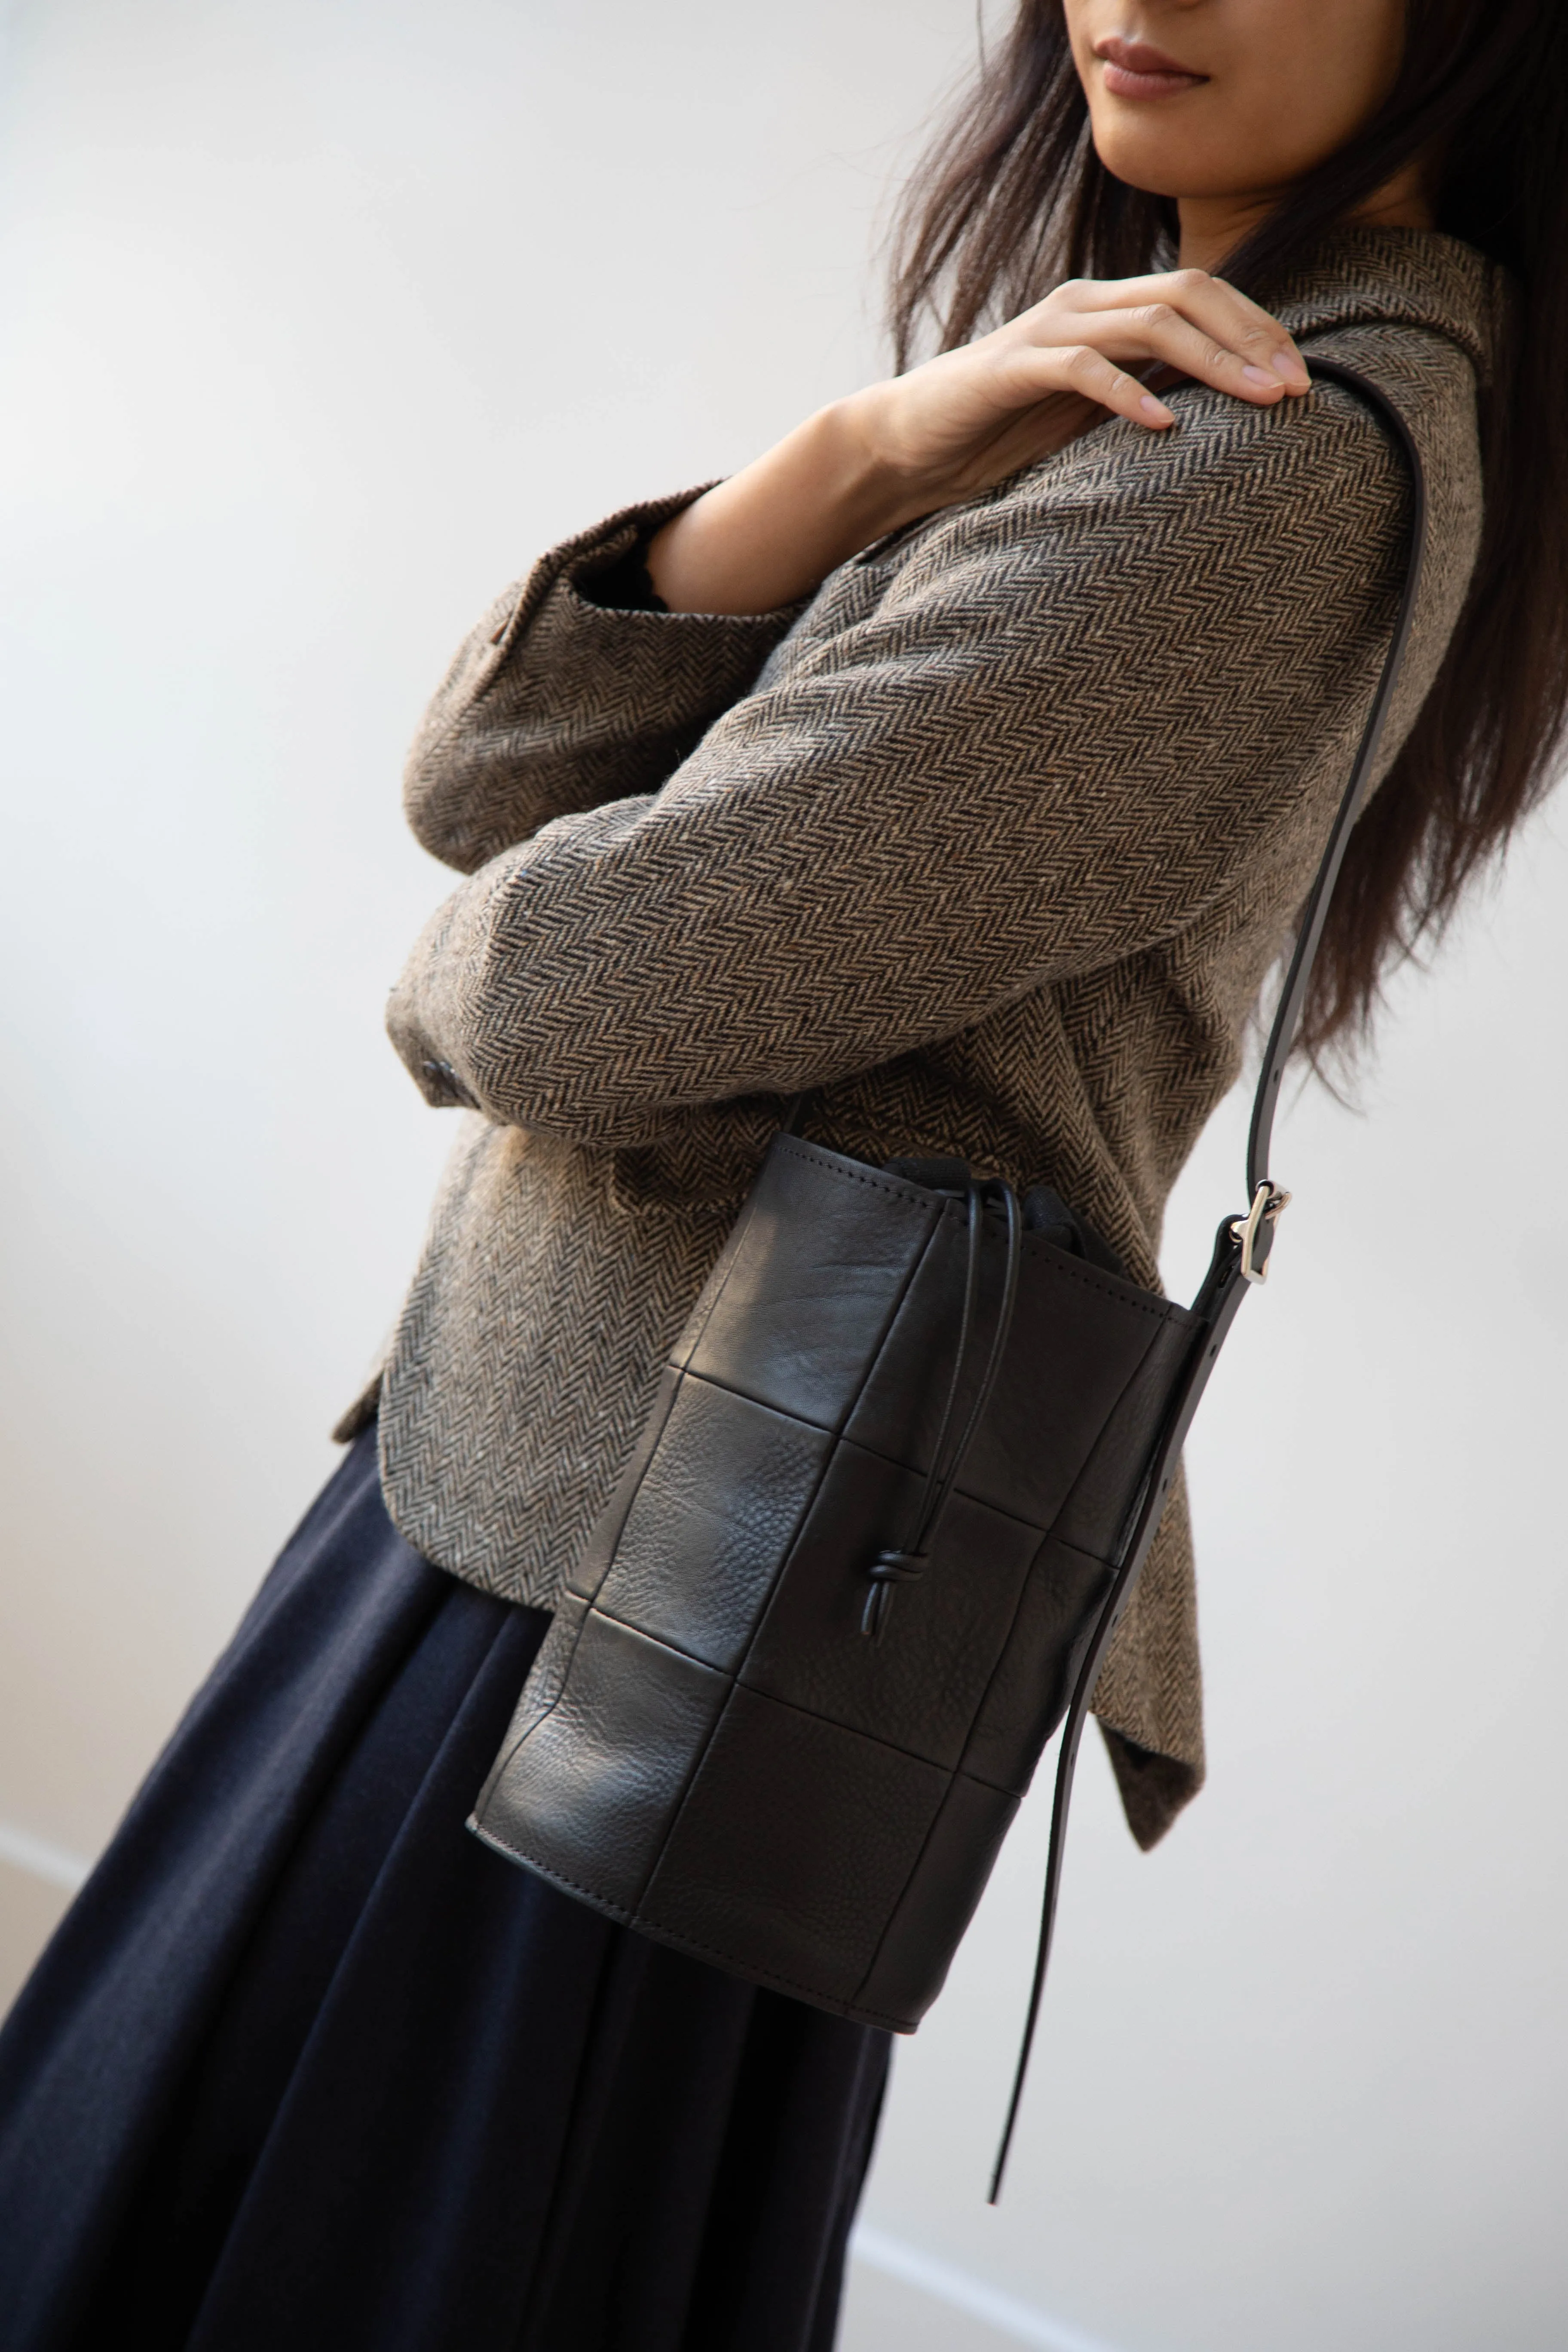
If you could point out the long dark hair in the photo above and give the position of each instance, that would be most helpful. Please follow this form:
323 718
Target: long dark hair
1012 198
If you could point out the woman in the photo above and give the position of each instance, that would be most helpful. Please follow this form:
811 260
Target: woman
961 763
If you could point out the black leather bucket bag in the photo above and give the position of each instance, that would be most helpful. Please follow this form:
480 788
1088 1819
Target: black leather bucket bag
905 1465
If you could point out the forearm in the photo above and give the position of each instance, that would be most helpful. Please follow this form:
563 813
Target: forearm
774 531
958 424
940 796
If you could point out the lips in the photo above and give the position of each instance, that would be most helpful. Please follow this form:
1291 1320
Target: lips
1137 70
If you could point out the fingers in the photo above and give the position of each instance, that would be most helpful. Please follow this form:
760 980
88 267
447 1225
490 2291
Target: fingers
1237 326
1258 372
1192 321
1237 323
1028 372
1095 377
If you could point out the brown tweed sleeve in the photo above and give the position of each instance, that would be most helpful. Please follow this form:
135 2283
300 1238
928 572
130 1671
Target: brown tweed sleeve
556 703
1044 733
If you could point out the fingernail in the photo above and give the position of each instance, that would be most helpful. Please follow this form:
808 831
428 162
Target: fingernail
1157 409
1262 379
1290 369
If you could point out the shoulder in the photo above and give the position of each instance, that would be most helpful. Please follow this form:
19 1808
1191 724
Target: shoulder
1433 383
1226 460
1132 532
1224 451
1125 511
1419 313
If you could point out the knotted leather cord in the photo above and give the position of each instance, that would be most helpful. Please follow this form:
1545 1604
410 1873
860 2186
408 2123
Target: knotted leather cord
894 1566
1226 1284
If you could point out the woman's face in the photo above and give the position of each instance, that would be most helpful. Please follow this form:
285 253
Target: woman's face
1230 99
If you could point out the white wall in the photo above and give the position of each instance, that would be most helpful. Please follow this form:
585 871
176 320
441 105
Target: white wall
320 319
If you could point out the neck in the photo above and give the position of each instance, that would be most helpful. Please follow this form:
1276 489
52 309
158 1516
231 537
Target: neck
1213 226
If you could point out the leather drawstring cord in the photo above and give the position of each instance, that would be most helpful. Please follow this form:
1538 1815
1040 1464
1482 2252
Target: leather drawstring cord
893 1566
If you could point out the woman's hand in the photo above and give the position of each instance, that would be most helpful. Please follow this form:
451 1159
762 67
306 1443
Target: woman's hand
954 426
967 420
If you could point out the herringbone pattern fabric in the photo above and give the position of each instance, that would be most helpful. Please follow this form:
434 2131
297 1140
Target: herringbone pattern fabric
992 847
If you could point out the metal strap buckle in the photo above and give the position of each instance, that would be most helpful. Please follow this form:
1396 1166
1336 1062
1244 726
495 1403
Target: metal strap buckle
1254 1231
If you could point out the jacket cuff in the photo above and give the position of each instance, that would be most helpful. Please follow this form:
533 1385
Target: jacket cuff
594 570
561 700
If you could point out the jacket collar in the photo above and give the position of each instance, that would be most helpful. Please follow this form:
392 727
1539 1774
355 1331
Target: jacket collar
1399 277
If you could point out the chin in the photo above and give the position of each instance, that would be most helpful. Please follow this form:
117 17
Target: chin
1140 164
1158 159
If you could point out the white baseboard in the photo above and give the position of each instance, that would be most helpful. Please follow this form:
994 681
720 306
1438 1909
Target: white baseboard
36 1856
961 2291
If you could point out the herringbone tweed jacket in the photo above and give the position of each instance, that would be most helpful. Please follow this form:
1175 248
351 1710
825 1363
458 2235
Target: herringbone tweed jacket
991 847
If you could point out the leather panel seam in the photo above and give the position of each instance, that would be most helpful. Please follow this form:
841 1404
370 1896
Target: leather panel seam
871 1452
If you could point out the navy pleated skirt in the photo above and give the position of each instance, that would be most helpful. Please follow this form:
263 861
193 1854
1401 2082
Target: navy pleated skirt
307 2068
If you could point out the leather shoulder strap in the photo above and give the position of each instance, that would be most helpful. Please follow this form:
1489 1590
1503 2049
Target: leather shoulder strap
1242 1245
1293 995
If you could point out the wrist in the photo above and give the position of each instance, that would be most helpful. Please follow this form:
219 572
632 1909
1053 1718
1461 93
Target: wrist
771 533
863 495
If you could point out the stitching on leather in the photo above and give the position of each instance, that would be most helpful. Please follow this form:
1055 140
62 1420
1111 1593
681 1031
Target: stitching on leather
662 1642
884 1342
803 1148
503 1761
898 1900
778 1411
895 1308
871 1452
732 1676
1165 1312
1050 1535
829 1456
734 1242
962 1770
635 1917
963 1766
632 1498
802 1516
1163 1309
587 1611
